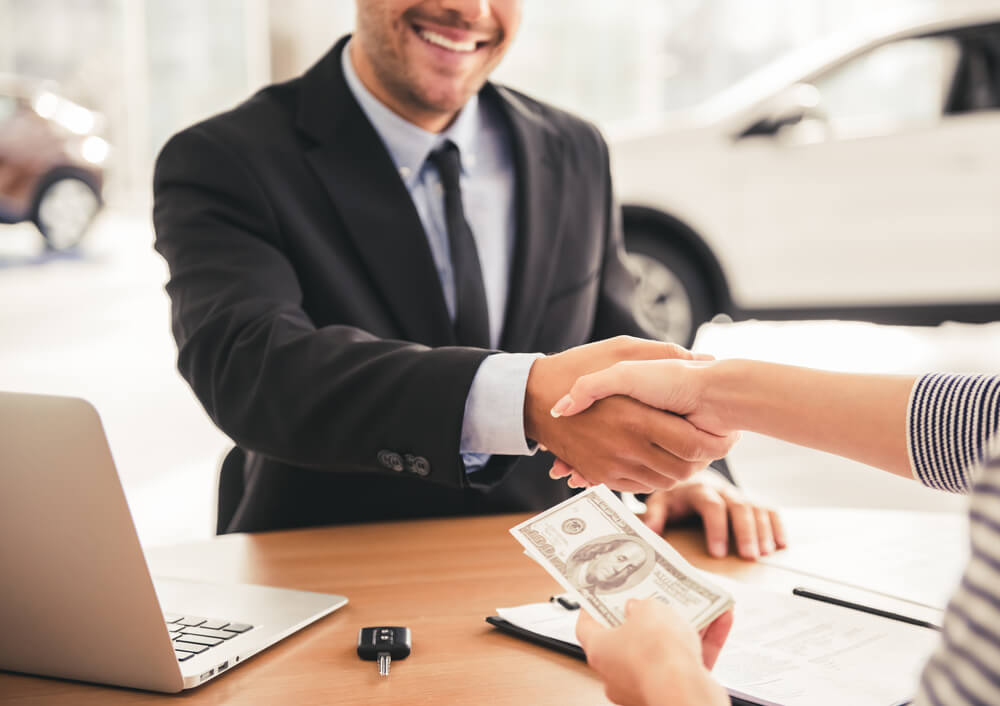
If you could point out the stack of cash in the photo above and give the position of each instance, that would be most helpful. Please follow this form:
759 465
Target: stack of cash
604 555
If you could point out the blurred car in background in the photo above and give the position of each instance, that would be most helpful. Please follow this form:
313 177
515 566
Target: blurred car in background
51 162
856 179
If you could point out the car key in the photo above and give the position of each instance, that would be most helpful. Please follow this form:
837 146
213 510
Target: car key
384 644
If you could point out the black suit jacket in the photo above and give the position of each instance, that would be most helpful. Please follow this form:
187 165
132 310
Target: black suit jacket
310 320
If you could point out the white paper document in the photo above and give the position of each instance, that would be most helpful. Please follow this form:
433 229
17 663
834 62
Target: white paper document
795 651
549 619
909 556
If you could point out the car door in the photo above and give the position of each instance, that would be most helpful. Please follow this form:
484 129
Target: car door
884 193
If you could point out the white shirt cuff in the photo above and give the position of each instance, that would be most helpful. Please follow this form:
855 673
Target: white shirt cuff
494 409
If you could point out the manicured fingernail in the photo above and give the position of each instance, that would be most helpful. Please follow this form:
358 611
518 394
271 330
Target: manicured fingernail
718 549
750 551
561 406
768 547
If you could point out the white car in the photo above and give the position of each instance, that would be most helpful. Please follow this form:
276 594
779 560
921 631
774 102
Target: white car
857 179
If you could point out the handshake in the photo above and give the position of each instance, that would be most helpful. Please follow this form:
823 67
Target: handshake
626 412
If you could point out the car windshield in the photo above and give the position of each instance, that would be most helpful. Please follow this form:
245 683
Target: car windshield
783 72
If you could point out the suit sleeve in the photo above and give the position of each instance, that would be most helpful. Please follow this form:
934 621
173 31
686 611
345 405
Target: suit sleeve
614 315
333 398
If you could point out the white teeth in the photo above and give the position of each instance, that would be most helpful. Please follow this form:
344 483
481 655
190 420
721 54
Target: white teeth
442 41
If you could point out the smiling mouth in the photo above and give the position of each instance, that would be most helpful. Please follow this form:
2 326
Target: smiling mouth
468 46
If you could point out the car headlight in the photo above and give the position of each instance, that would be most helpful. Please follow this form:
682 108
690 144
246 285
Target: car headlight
94 149
46 104
66 113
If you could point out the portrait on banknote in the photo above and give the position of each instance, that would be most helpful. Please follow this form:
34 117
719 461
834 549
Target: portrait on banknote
610 564
600 552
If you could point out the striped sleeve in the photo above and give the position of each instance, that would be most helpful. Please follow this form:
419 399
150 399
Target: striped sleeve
965 668
950 420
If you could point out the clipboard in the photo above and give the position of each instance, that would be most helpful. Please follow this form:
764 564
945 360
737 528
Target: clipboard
543 640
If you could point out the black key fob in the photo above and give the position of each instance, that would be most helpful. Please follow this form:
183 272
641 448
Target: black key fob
384 644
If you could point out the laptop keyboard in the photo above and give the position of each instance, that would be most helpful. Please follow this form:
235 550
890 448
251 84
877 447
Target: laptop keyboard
192 635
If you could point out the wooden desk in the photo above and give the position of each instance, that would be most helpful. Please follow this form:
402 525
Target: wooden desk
441 578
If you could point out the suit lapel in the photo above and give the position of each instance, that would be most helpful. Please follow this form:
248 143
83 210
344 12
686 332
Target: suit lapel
355 168
538 161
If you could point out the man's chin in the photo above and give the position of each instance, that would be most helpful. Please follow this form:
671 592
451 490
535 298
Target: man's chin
447 102
448 96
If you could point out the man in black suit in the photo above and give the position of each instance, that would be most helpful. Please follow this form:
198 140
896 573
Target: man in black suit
350 250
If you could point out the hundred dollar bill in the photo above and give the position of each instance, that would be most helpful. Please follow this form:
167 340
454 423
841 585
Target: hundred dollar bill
604 555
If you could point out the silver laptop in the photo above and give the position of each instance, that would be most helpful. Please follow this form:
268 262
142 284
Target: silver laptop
76 597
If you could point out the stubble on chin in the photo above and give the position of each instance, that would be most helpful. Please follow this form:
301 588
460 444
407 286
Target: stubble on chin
393 53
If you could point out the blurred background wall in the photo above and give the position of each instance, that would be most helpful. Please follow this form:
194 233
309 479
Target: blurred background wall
155 66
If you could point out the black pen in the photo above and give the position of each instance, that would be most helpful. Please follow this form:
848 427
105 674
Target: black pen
565 602
806 593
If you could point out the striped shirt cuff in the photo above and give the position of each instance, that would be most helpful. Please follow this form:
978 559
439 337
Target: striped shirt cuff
950 420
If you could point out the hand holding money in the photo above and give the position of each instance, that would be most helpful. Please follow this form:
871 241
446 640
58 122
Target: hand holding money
603 555
655 657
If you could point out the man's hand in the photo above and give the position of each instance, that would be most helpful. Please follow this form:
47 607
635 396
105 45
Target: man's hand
756 530
655 657
618 441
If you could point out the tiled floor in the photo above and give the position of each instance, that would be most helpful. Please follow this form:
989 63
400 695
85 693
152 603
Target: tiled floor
96 325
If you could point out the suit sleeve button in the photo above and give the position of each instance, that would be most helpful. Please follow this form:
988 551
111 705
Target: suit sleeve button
421 466
391 460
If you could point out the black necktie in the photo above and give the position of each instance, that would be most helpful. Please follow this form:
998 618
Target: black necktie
472 321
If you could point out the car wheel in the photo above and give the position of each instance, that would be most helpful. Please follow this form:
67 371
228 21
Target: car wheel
64 211
672 297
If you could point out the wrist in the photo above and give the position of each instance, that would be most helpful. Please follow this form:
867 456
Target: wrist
705 690
536 406
494 409
688 683
724 390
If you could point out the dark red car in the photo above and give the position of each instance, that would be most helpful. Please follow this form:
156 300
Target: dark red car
51 162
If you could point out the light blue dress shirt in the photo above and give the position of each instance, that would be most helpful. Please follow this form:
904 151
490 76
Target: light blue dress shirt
494 410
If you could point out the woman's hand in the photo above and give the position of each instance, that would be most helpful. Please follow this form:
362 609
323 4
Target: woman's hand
656 657
676 386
